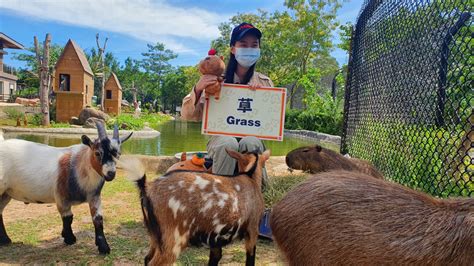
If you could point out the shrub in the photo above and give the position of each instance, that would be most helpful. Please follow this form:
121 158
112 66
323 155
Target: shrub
322 114
36 119
28 93
137 123
314 121
14 113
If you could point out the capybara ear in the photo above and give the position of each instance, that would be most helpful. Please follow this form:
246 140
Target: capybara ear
183 156
318 148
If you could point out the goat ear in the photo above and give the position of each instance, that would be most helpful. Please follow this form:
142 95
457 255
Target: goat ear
234 154
122 140
86 141
266 154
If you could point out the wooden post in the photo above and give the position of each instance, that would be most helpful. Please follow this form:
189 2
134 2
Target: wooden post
101 51
43 69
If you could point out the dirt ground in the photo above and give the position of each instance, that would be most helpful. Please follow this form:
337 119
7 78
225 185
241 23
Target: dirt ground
35 231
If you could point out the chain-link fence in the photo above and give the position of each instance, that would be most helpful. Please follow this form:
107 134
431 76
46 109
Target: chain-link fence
409 97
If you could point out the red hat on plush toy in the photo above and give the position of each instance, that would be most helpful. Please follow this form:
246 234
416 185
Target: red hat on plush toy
212 52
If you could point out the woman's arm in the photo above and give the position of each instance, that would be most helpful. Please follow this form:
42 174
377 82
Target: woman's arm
191 109
192 106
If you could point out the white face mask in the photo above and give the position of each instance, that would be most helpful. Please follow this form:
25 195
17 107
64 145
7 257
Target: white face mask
246 57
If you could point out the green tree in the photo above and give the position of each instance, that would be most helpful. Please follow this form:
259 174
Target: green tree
293 39
131 75
156 64
111 64
345 34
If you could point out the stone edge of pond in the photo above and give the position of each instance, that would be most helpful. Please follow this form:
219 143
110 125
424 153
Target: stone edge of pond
308 134
77 131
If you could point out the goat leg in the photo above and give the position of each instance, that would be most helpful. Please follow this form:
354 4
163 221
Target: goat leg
67 233
250 247
4 239
215 256
151 252
64 209
96 213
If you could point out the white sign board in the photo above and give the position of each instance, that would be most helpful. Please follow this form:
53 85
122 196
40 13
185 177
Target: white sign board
241 112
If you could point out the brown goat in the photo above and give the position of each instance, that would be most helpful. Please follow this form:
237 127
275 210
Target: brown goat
185 207
316 159
349 218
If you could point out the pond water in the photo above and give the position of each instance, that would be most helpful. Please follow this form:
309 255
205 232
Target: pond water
176 136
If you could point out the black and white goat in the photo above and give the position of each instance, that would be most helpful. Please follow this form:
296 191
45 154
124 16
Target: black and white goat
38 173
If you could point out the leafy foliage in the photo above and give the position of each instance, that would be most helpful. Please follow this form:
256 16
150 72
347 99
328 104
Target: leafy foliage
138 123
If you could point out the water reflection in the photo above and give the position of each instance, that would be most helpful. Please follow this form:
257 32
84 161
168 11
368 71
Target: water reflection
176 136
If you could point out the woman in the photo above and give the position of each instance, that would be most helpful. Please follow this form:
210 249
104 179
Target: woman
245 51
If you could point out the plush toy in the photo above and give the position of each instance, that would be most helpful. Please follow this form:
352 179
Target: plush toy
196 163
213 65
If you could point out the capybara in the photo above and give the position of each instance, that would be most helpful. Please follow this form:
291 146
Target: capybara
316 159
350 218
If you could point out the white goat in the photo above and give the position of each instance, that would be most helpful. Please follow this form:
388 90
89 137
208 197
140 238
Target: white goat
38 173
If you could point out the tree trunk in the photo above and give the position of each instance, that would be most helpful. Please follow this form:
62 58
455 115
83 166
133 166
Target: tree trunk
101 51
43 62
102 86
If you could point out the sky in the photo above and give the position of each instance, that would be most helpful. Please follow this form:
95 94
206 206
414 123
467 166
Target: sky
185 26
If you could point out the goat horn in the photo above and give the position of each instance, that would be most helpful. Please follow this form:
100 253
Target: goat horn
116 132
122 140
101 130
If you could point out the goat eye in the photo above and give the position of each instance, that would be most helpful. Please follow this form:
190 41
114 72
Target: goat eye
97 153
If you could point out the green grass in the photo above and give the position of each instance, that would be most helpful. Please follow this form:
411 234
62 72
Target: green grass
137 123
35 231
132 123
278 186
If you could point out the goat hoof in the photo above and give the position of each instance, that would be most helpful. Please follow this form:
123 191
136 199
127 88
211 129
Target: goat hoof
70 240
5 241
104 249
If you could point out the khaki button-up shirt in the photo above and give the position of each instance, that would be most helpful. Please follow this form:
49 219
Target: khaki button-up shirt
192 110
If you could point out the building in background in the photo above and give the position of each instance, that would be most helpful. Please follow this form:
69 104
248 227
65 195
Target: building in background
113 95
73 82
7 74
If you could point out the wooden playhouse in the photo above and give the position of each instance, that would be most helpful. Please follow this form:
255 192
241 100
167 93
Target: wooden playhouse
113 95
73 82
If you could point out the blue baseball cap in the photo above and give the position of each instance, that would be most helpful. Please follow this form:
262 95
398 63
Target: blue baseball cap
241 30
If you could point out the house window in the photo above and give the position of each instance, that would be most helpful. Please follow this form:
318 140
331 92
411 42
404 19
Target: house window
108 94
64 82
1 87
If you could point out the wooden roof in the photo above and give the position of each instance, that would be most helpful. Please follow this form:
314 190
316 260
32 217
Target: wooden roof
114 77
80 54
8 42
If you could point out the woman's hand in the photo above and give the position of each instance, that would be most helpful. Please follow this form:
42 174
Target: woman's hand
205 81
254 86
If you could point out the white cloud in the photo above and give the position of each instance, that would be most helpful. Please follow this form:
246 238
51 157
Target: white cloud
141 19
